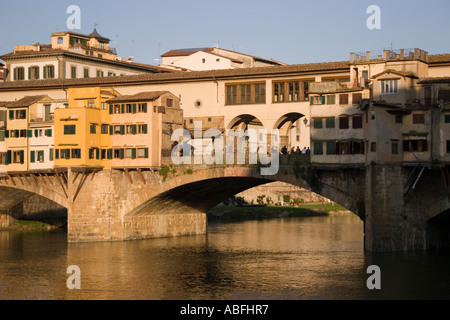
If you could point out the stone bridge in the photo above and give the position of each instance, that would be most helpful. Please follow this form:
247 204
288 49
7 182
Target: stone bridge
403 207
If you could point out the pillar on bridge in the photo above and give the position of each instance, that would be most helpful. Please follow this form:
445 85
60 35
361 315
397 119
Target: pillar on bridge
399 203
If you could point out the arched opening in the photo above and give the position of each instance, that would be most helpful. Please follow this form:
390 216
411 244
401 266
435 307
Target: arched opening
292 131
439 227
18 206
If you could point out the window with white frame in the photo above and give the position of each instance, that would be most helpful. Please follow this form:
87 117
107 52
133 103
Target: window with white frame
389 86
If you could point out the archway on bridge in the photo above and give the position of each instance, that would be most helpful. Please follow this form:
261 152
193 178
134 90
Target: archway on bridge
17 206
292 131
439 227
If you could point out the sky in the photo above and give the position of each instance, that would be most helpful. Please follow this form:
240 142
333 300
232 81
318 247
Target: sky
290 31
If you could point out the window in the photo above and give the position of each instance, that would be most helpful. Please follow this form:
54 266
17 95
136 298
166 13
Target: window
142 108
357 98
142 129
398 118
448 146
18 157
130 153
91 104
119 129
330 123
86 72
349 147
317 100
331 99
394 147
33 73
104 106
318 147
93 129
117 109
20 114
99 73
290 91
357 122
389 86
69 129
49 72
60 40
245 94
343 99
317 123
19 73
73 72
418 118
76 153
373 147
343 122
119 153
40 157
447 118
104 129
142 153
331 147
169 103
415 145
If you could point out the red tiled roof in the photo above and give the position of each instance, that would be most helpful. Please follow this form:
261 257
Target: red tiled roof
177 76
141 96
431 80
26 101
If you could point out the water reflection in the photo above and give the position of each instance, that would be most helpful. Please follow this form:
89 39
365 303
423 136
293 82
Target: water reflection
294 258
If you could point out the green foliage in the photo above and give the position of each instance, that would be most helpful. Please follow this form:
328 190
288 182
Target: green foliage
164 172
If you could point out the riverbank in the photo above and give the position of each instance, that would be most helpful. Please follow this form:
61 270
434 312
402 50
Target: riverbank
31 225
268 212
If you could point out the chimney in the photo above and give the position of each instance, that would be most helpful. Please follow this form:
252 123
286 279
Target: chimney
352 57
368 55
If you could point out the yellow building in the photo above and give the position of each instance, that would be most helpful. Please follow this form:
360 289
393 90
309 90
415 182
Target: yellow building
82 135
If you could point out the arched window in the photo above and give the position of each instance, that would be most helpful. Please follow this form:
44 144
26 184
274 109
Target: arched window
60 40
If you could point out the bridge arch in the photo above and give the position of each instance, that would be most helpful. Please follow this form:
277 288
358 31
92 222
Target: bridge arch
203 190
244 122
291 130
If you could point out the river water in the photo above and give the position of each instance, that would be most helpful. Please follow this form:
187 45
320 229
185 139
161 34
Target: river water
314 258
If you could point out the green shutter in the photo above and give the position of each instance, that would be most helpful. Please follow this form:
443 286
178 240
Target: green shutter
45 72
32 156
133 153
15 73
22 157
51 155
323 99
11 114
56 153
144 108
7 134
29 73
111 130
8 157
146 153
109 153
29 133
122 153
36 132
144 129
122 129
122 107
37 73
134 129
134 107
111 109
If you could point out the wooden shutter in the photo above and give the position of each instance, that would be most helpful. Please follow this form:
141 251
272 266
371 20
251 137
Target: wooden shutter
29 73
122 108
11 114
32 156
134 129
110 154
22 157
29 133
146 153
111 130
311 101
111 108
122 130
133 153
51 155
144 129
8 157
144 107
122 153
134 108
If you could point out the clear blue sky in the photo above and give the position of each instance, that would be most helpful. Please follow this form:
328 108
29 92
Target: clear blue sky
291 31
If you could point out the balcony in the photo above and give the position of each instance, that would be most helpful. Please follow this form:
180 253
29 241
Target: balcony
39 118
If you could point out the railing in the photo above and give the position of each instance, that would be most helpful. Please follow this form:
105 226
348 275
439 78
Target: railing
40 118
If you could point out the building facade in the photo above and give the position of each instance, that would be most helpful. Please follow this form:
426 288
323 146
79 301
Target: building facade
70 56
